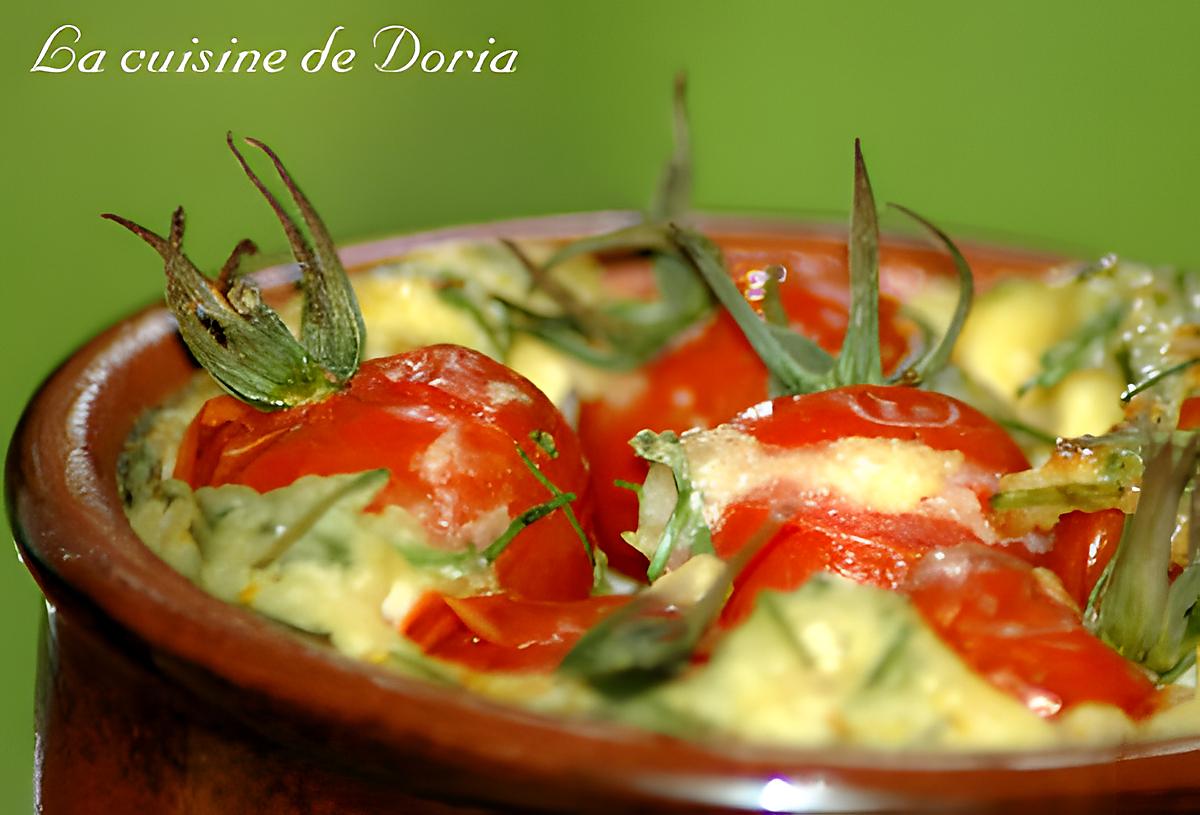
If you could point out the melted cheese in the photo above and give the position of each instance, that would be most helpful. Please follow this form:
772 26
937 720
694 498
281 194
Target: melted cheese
838 663
874 475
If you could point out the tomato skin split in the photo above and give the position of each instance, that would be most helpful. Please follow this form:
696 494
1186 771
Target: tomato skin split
445 421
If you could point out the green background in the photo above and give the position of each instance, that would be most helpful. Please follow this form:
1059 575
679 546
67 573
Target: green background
1068 124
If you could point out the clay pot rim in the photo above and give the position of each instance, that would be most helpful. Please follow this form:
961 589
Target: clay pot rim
69 524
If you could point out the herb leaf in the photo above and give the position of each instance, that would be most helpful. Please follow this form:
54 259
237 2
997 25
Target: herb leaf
1066 356
686 527
1158 376
560 500
529 516
776 354
645 642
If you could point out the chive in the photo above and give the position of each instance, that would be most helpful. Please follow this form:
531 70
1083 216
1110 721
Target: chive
529 516
1156 377
598 563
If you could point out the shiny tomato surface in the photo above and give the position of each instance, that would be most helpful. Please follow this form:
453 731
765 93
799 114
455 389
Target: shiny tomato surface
445 421
870 547
1083 545
1008 626
713 374
499 633
886 412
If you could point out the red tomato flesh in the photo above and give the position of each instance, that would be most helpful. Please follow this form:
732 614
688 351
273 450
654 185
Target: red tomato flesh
870 547
500 633
1083 544
873 548
1004 623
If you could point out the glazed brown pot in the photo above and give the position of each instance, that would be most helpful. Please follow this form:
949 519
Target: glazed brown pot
154 697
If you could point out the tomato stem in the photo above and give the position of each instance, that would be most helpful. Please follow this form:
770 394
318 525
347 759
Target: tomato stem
241 340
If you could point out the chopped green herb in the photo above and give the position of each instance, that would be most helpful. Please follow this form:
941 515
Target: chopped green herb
367 483
644 642
1070 354
628 485
686 527
1155 378
545 441
529 516
560 500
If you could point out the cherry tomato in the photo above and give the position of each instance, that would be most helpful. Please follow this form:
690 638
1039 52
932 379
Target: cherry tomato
871 547
887 412
1005 623
499 633
445 421
1083 544
712 375
1189 413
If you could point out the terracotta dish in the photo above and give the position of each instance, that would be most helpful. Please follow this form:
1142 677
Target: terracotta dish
155 697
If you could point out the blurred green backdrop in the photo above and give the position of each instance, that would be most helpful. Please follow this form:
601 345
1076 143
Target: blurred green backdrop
1070 124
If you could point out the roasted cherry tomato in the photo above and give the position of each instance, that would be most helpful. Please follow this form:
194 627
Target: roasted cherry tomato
871 547
499 633
711 376
1083 544
445 421
1189 413
867 547
887 412
1012 629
